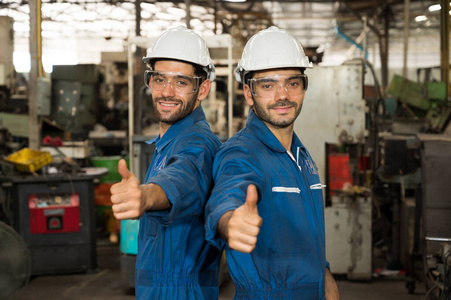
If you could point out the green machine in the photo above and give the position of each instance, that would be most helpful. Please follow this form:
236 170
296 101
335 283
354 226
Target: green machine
426 100
74 94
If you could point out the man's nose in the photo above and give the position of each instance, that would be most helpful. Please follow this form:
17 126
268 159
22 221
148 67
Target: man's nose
168 89
282 91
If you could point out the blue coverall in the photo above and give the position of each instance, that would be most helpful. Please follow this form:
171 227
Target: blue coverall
288 261
174 260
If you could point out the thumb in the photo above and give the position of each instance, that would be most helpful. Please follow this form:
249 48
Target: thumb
123 170
251 199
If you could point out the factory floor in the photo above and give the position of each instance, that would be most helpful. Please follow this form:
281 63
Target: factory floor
108 284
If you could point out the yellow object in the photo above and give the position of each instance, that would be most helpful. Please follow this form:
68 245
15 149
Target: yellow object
27 160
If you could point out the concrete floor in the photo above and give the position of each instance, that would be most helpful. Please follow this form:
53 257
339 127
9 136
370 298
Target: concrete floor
108 284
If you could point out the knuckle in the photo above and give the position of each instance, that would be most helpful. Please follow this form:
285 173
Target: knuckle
136 194
115 208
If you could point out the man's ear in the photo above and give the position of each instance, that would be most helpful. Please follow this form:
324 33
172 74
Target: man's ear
204 88
248 95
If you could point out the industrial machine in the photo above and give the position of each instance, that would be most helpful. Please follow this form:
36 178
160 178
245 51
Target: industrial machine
436 211
335 137
54 215
349 235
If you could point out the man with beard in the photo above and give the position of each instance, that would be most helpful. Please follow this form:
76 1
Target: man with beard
174 261
266 207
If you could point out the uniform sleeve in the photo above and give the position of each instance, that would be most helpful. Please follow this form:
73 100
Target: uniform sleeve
187 177
233 171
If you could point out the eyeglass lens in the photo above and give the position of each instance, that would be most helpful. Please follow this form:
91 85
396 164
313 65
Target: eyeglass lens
180 83
269 86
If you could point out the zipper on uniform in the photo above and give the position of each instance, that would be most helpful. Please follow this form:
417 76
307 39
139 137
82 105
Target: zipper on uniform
295 160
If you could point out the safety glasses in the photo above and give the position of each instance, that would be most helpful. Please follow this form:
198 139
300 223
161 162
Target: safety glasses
179 82
269 86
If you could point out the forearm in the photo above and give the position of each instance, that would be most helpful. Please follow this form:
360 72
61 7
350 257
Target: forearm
331 287
153 198
223 225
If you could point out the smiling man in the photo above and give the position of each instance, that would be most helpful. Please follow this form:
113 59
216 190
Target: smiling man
266 207
174 261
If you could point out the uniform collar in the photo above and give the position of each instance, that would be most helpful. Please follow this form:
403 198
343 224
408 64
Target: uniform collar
179 126
265 135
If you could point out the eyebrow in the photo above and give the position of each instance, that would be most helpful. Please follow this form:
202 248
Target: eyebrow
177 75
267 79
294 76
187 77
272 78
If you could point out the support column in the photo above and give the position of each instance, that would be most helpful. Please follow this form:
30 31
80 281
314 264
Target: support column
188 13
406 36
444 43
34 137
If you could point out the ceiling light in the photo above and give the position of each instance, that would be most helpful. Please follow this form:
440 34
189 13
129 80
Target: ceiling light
234 0
421 18
435 7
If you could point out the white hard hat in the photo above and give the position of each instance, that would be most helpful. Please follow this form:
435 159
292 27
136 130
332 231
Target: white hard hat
182 44
271 48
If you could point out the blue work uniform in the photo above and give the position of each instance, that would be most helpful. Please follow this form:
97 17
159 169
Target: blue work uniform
288 261
174 261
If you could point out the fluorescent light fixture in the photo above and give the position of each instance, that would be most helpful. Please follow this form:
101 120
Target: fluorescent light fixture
421 18
435 7
236 1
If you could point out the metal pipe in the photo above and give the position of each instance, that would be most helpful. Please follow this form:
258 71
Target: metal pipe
437 239
138 17
34 134
131 120
444 43
188 13
406 36
351 41
230 82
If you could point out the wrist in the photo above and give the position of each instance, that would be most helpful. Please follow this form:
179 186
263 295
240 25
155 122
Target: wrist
223 225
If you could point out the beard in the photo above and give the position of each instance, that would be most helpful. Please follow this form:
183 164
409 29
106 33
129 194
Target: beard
182 111
277 121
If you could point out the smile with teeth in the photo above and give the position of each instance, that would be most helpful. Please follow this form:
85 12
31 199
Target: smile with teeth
168 104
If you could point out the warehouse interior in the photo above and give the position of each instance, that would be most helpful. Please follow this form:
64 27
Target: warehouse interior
73 102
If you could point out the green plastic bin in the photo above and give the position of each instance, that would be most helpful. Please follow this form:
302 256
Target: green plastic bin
109 162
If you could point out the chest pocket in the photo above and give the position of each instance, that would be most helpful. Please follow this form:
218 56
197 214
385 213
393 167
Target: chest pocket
291 232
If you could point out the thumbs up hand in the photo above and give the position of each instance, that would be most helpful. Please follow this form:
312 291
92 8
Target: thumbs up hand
244 224
126 195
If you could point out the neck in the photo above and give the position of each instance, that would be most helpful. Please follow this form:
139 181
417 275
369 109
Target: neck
284 135
163 128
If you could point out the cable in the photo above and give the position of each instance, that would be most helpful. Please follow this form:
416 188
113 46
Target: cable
429 292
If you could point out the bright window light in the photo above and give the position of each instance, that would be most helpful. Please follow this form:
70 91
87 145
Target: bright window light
21 61
435 7
421 18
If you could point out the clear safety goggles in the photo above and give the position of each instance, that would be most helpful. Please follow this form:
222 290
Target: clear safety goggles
269 86
180 83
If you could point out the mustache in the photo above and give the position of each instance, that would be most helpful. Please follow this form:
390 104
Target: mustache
168 99
282 103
